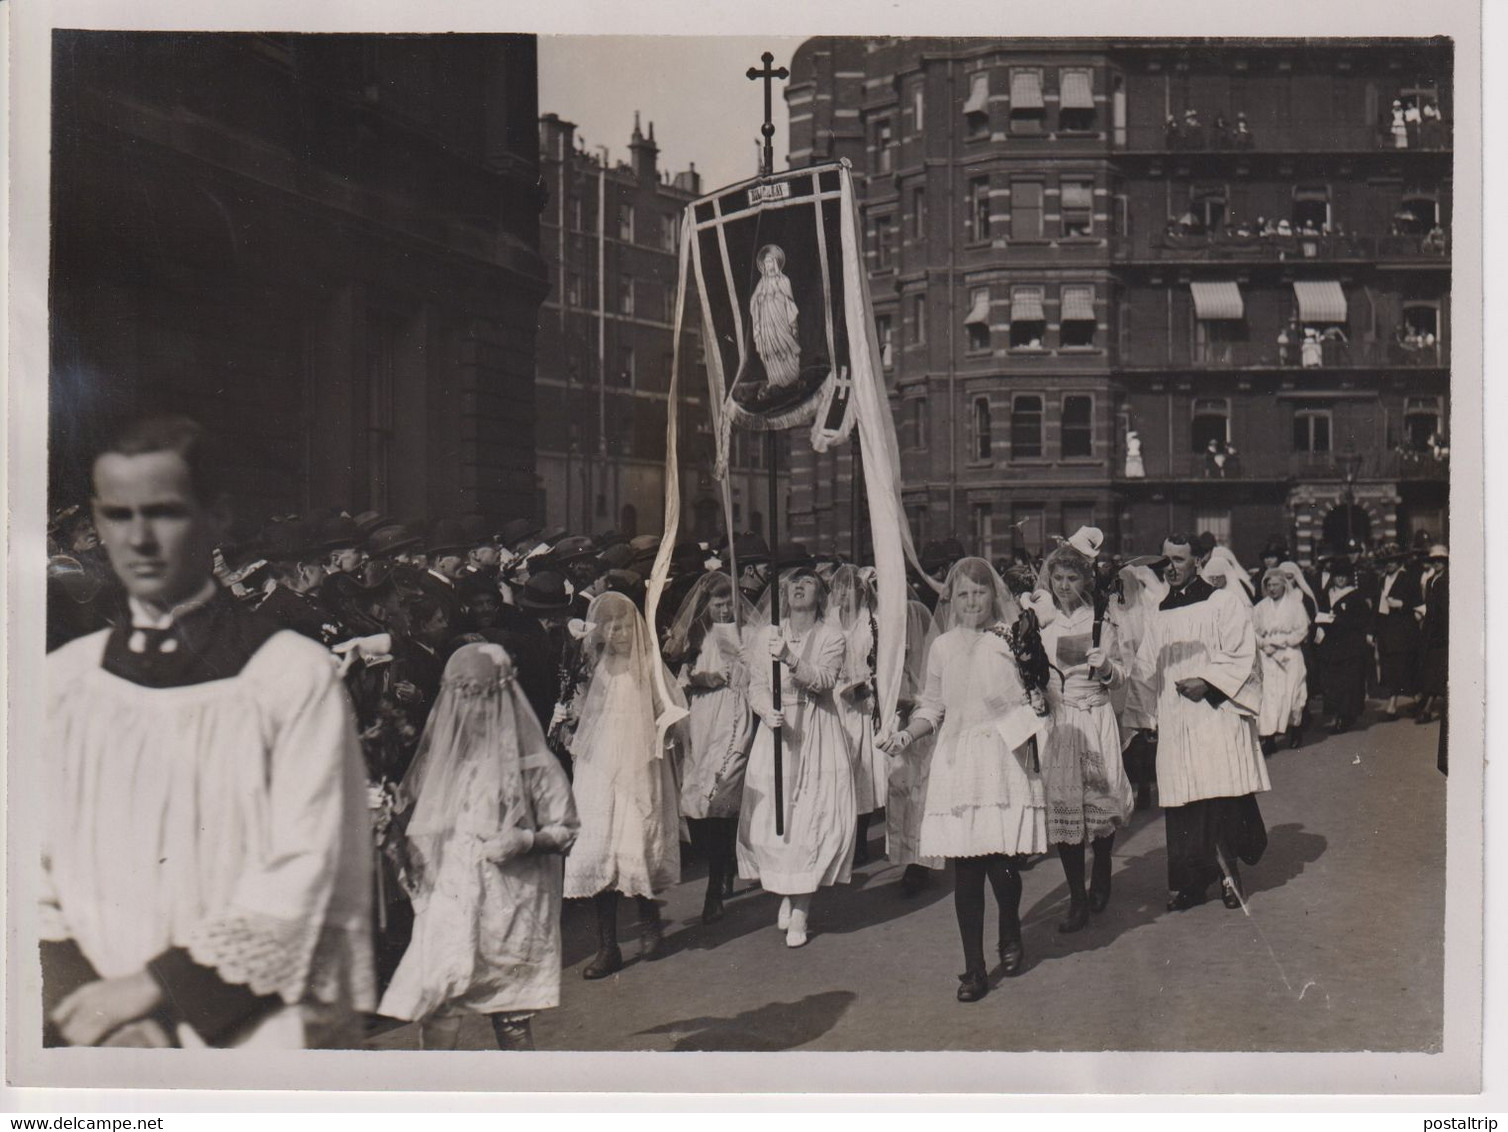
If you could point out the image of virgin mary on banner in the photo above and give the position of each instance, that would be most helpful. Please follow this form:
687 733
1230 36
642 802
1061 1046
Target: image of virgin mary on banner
769 268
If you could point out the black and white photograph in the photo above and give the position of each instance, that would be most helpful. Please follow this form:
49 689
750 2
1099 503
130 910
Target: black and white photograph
533 540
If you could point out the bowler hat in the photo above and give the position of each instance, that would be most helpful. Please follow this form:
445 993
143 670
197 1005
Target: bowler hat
516 531
368 521
627 582
572 548
339 532
616 556
545 592
448 537
391 538
750 549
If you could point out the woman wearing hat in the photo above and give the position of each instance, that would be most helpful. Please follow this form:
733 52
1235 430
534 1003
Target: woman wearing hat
1434 636
1395 628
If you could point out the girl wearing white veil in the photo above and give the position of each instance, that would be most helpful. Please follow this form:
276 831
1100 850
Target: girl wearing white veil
816 846
1139 592
490 815
985 807
625 781
1282 626
850 610
1221 567
707 642
907 787
1088 794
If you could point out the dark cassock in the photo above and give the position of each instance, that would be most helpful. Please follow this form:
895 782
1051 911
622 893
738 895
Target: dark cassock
1396 630
1209 764
207 823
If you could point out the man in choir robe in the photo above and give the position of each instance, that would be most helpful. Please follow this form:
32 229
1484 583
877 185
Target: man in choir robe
1198 662
206 847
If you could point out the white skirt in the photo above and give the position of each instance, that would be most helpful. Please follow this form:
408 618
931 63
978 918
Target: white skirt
982 797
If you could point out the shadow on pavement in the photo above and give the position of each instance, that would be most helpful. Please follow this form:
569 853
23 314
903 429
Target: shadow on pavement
1139 895
769 1028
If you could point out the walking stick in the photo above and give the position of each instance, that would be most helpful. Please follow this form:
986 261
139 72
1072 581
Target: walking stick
779 732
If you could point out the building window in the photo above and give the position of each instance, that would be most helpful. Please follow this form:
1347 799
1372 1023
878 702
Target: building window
916 516
919 214
983 535
884 136
1028 111
1077 207
573 289
921 422
983 439
626 223
1209 204
1211 421
1026 427
1076 515
885 332
1311 430
1215 522
918 319
918 108
1028 318
977 321
1421 422
1077 323
670 232
976 109
884 228
1417 213
1311 207
577 217
979 209
625 294
1078 426
626 367
1026 210
1075 99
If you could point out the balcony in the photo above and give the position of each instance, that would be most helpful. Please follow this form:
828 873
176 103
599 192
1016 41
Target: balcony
1230 247
1268 140
1271 466
1270 355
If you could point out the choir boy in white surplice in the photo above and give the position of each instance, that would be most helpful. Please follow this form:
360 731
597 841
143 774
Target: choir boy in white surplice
206 852
1199 663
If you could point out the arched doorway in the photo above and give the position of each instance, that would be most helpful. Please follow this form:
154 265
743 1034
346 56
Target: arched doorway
1345 522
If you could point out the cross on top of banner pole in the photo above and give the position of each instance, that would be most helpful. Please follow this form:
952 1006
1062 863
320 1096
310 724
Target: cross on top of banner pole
768 74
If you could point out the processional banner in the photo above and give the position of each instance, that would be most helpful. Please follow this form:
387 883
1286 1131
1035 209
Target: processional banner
790 343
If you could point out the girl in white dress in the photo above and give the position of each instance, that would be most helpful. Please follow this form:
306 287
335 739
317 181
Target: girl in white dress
1282 626
909 773
850 610
490 816
985 806
625 783
815 848
1088 794
707 641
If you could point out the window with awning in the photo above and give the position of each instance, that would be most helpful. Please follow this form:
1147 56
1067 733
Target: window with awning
1026 89
979 94
1215 301
1075 91
1320 300
979 309
1078 304
1026 305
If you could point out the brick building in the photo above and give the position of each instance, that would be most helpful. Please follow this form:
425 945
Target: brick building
609 237
1227 249
325 246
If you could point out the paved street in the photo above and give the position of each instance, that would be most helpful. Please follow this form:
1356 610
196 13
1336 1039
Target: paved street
1342 949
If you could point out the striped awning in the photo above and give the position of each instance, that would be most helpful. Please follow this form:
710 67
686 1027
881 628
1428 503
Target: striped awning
1078 304
1075 91
979 313
1026 306
1320 301
979 94
1026 90
1217 301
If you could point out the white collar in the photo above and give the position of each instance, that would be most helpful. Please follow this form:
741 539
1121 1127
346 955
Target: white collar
144 617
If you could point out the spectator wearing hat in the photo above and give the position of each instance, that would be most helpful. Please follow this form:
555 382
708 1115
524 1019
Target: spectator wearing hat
549 599
447 551
341 539
486 619
1344 622
1395 629
1434 636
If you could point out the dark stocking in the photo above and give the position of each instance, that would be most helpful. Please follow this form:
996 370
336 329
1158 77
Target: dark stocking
1072 856
1005 879
605 904
968 905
